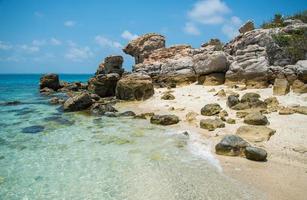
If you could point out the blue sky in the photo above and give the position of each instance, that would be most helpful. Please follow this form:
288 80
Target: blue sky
73 36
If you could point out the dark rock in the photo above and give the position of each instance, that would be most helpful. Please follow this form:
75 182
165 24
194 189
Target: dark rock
95 97
168 96
164 119
144 115
110 114
211 124
11 103
127 114
33 129
232 100
79 102
255 118
46 91
54 100
103 84
248 97
211 109
255 153
231 145
101 109
50 81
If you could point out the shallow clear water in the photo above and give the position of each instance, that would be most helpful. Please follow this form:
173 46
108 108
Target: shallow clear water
85 157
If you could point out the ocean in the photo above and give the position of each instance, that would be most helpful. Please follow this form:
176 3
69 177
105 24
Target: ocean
77 156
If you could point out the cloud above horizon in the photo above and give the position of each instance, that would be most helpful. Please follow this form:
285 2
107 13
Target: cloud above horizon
79 54
127 35
70 23
106 42
211 12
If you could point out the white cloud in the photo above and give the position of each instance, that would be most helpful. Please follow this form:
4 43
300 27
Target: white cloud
105 42
39 42
55 42
5 46
128 35
69 23
231 27
209 12
29 48
191 29
78 54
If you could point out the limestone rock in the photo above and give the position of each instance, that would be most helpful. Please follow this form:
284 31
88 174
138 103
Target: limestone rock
211 109
164 119
111 64
299 87
255 153
281 87
191 116
78 102
301 110
211 62
286 111
211 124
255 118
301 68
212 79
50 81
135 86
255 133
231 145
248 26
103 84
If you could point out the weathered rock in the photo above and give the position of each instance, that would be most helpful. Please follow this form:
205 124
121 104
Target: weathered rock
286 111
223 113
164 119
211 79
96 97
101 109
301 68
299 86
191 116
127 114
241 106
143 46
255 153
211 109
248 26
78 102
272 102
230 121
256 118
255 133
144 115
211 124
281 87
50 81
231 145
232 100
54 100
250 96
213 45
301 110
134 86
168 96
104 85
221 93
210 62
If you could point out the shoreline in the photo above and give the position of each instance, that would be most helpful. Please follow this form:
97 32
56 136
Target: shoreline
282 176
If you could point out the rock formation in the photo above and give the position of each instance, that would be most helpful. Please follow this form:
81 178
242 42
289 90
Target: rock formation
50 81
103 85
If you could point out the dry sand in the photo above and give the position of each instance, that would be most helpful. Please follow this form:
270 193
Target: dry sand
283 176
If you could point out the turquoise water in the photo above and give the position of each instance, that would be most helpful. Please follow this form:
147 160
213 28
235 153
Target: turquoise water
84 157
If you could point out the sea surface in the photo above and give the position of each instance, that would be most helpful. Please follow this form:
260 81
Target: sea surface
76 156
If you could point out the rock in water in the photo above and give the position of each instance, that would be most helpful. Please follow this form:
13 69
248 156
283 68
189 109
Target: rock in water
231 145
255 153
101 109
255 133
281 87
211 109
79 102
127 114
33 129
255 118
135 86
104 85
211 124
50 81
164 119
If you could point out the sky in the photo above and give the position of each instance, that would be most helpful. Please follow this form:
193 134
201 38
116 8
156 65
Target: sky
74 36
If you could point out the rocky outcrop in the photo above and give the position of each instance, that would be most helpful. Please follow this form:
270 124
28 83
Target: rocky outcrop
111 64
135 86
103 85
281 87
50 81
255 133
248 26
78 102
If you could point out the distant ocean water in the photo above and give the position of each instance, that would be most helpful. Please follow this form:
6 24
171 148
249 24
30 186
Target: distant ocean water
85 157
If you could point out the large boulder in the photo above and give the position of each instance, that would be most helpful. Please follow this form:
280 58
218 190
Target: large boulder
78 102
281 87
142 46
210 62
301 68
135 86
255 133
211 109
164 120
211 79
103 85
255 153
111 64
231 145
256 118
50 81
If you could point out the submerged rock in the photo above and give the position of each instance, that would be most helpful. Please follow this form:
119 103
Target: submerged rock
33 129
101 109
11 103
231 145
255 153
79 102
127 114
164 119
59 120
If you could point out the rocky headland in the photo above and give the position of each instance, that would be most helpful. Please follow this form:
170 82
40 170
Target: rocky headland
248 97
